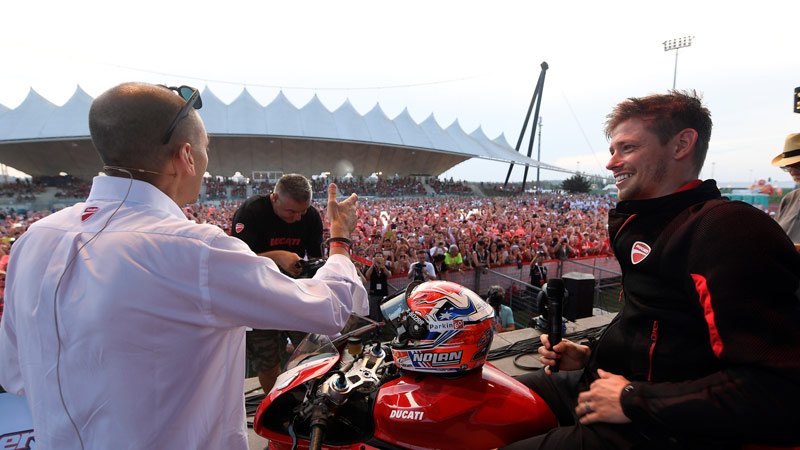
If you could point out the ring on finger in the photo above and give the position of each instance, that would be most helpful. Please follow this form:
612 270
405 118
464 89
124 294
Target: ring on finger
587 409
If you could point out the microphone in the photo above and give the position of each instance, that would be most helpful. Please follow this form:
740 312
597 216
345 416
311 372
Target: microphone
555 298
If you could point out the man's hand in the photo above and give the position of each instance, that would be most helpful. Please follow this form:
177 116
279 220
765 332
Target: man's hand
286 260
572 356
601 403
342 215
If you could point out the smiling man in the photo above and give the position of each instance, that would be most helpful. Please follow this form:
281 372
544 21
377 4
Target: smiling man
705 352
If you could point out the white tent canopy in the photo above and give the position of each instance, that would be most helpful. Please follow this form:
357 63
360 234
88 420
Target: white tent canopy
41 138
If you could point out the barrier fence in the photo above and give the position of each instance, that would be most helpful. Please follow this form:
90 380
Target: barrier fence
601 273
596 283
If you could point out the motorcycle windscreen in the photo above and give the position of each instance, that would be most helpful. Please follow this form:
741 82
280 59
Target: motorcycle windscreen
395 310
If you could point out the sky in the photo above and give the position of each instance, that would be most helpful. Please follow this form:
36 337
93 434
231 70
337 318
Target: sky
472 61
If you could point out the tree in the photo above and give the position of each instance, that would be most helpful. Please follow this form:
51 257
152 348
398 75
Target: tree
576 183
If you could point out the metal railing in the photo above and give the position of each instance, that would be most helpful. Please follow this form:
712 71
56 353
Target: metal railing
607 280
522 296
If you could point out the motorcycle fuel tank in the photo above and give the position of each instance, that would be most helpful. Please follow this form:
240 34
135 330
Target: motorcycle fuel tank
483 409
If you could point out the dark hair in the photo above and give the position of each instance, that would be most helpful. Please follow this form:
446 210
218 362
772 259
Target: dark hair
294 186
495 295
666 115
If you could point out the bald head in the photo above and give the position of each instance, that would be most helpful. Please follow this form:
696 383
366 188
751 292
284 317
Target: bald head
128 121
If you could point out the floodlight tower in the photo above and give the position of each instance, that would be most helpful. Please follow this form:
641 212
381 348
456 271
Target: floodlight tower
675 44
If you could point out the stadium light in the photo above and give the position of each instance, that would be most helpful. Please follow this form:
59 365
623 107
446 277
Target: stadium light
675 44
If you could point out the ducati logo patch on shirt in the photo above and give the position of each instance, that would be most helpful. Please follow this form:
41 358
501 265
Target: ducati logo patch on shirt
239 227
88 213
639 252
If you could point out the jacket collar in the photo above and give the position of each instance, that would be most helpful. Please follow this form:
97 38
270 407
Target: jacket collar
627 210
707 190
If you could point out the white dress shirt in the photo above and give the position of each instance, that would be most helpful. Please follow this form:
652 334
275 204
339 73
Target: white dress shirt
151 319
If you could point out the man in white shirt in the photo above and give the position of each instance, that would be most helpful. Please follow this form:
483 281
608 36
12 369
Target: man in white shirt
125 322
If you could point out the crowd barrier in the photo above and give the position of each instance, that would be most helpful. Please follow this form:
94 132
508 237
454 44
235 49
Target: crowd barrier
603 272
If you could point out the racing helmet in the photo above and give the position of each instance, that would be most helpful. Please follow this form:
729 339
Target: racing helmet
440 326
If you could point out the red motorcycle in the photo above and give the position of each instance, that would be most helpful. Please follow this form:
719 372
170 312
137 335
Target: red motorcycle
429 389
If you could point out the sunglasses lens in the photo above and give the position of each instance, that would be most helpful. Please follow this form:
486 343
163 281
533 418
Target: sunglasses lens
185 92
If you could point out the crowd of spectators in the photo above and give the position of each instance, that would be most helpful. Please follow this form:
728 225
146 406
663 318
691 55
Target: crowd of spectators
512 230
365 187
216 189
450 187
12 225
21 190
77 190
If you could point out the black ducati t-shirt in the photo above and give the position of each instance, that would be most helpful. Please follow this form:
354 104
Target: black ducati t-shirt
256 223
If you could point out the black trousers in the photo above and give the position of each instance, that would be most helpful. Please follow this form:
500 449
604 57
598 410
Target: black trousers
560 392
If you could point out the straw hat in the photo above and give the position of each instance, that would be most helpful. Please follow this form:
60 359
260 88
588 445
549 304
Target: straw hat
791 152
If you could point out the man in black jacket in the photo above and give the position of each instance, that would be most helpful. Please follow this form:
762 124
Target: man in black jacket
706 350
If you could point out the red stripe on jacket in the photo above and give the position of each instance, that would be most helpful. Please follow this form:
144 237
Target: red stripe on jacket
701 286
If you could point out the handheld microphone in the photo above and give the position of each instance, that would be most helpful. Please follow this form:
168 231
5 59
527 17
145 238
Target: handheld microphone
555 298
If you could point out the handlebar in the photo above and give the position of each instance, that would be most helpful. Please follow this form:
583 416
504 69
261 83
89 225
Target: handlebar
317 435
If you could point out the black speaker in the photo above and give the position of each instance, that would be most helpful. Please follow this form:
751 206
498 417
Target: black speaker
580 295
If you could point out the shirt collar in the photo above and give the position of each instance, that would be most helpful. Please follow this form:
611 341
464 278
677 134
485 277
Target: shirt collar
114 189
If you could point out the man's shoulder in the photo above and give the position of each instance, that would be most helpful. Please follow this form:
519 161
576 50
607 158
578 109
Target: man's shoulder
722 218
312 216
58 217
256 202
253 211
791 197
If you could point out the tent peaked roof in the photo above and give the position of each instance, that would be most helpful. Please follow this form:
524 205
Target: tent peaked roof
400 143
61 123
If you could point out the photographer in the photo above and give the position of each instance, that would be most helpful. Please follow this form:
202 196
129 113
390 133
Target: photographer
563 251
421 270
284 227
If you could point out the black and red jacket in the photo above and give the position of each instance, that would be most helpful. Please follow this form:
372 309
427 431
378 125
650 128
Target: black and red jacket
710 329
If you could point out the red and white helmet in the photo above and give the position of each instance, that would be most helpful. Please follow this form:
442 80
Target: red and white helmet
441 327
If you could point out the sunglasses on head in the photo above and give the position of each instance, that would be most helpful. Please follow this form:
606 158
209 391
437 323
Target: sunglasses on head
193 100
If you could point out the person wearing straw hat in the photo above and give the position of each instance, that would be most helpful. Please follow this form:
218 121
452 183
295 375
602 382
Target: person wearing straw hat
789 211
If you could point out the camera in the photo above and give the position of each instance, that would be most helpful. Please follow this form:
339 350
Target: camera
309 267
